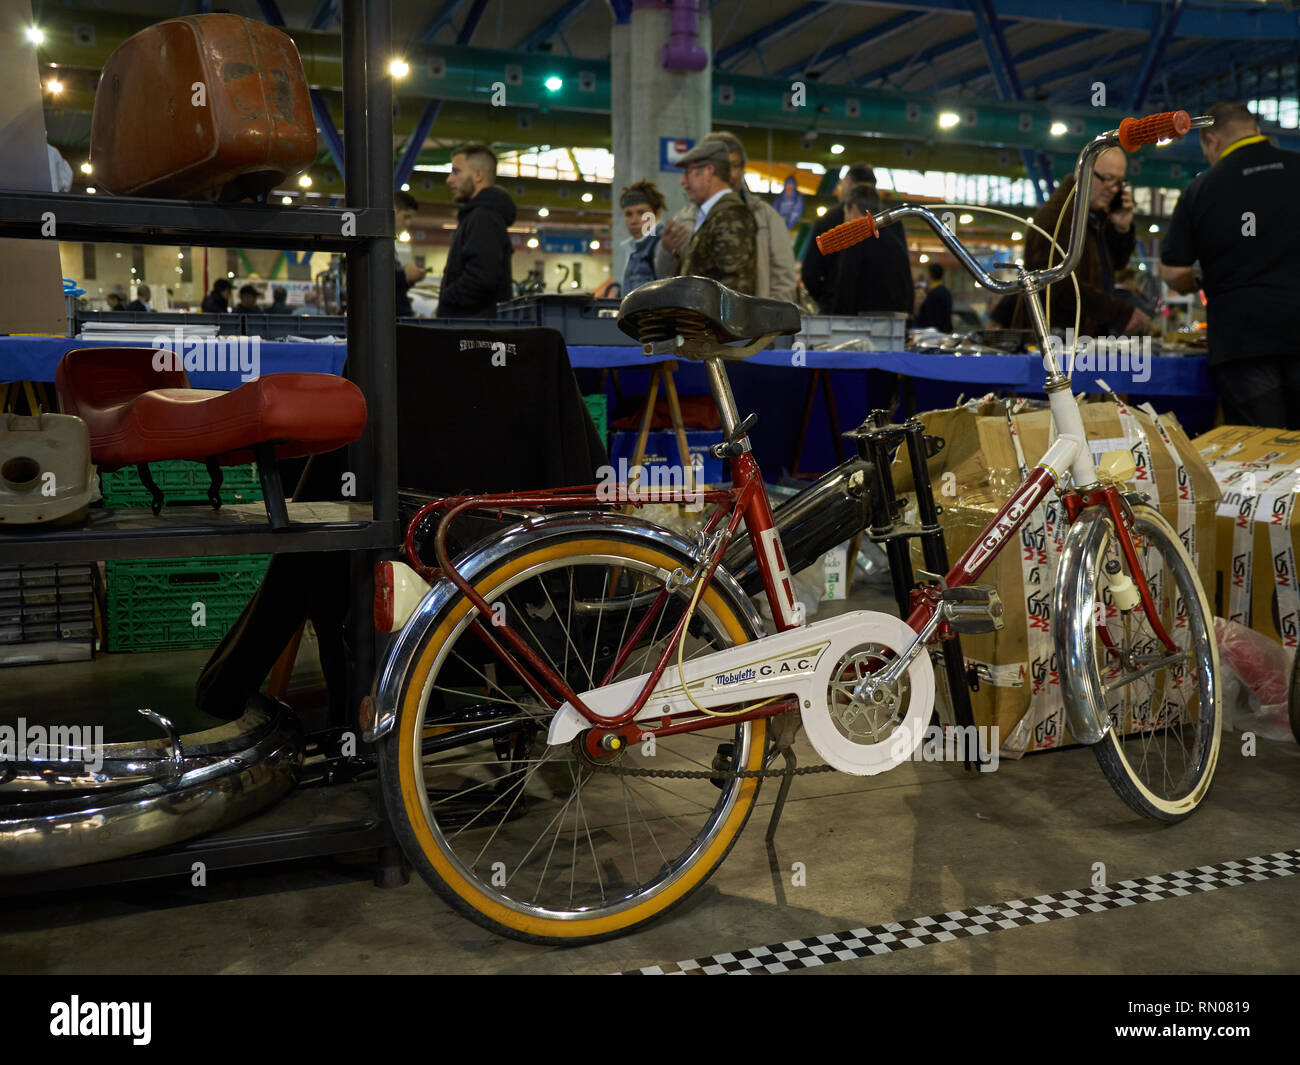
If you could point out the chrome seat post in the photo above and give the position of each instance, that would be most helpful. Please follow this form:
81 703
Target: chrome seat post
722 394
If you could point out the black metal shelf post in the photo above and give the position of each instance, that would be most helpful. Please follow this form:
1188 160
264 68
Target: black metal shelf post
366 525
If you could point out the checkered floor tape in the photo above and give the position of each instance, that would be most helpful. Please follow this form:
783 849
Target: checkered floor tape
941 928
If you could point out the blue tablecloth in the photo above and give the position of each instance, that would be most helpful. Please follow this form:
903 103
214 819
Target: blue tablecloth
36 358
1170 375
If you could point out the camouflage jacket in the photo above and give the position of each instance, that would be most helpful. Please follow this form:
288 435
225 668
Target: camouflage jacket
725 246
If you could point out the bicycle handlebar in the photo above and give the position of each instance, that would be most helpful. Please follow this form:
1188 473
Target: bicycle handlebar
1132 134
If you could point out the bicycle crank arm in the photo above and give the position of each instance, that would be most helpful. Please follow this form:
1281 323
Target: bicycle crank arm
801 663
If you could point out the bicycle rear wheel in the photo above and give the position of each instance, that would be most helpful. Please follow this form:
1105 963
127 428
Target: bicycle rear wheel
1164 708
532 841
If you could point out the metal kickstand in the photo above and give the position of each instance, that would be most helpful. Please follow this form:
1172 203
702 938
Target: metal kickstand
791 764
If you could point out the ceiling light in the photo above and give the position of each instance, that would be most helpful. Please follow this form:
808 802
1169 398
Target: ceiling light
230 273
406 186
573 284
1017 235
837 149
1058 129
821 211
54 86
305 181
404 236
1153 229
948 119
532 242
924 259
966 219
595 245
91 189
36 35
86 168
586 197
286 199
399 68
554 83
180 255
543 212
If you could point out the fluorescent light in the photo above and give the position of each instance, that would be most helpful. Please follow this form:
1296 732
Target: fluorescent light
399 68
543 212
554 83
837 149
305 181
586 197
948 119
1058 129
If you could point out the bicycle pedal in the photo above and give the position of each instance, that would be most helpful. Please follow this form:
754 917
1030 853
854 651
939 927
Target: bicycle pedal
973 609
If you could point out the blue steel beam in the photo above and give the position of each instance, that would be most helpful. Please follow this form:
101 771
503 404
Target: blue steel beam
1161 35
622 11
869 36
1009 88
765 33
439 20
326 12
552 27
926 56
414 143
1028 55
1238 21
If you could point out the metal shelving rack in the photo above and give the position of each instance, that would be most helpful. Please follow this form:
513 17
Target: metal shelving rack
363 230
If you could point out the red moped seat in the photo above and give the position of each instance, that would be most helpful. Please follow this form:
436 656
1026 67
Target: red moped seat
137 414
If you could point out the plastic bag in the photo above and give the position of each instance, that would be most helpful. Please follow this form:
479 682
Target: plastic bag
1257 681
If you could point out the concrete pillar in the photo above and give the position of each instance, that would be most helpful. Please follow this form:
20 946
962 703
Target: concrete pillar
649 102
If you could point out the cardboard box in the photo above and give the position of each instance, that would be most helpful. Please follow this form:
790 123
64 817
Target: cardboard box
1255 581
973 477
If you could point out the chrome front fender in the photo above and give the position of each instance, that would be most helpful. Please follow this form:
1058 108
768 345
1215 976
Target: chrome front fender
1073 630
402 651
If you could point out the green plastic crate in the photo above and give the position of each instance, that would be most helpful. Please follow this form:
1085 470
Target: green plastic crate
596 407
150 603
181 481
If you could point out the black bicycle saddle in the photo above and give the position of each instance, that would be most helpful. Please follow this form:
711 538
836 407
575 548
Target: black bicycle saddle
700 308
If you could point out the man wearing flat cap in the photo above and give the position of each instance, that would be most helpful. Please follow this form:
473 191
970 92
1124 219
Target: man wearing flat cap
723 241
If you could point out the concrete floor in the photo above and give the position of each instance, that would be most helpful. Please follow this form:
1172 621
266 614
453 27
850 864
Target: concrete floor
922 839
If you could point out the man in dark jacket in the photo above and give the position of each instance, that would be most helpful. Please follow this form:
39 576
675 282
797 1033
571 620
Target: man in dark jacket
1240 220
936 308
819 273
218 300
1107 246
477 276
875 274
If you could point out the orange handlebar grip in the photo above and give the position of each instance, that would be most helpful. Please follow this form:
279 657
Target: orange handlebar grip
846 235
1135 132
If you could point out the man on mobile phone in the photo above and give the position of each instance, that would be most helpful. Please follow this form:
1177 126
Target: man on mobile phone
1240 220
1108 245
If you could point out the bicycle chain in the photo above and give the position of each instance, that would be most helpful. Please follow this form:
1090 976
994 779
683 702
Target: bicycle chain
708 774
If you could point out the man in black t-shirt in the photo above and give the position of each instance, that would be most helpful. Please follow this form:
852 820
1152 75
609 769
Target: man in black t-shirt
936 308
819 273
1241 221
873 275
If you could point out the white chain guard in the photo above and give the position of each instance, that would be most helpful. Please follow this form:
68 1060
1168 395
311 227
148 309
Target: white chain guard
799 662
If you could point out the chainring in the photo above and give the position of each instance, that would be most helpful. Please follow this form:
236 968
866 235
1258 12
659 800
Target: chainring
866 735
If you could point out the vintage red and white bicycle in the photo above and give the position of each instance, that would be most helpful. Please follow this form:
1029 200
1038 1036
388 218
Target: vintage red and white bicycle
575 714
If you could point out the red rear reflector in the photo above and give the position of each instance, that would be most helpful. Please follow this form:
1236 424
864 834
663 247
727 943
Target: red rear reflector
384 597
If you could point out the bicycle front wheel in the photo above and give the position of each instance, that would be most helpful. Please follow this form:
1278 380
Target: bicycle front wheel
534 841
1162 745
